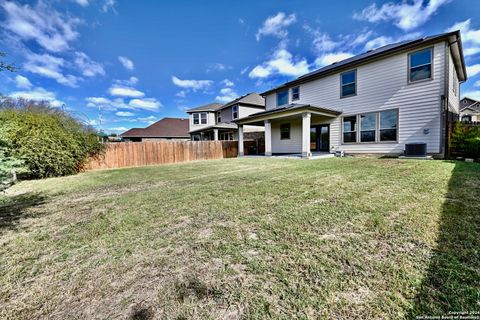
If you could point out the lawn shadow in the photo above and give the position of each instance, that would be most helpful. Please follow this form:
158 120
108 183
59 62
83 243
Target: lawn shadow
16 208
452 283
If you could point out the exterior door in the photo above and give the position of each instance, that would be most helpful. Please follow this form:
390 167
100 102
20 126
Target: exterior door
320 138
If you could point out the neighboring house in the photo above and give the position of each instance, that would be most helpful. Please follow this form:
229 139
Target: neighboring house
165 129
469 110
375 102
214 121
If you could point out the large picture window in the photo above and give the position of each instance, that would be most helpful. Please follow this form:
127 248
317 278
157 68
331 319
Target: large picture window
368 127
282 98
388 125
285 131
420 65
350 129
348 83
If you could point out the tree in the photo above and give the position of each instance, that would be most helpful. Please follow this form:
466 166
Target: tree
6 66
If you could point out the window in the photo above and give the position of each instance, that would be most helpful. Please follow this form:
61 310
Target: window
295 93
349 83
203 118
368 127
388 125
196 118
350 129
420 65
219 116
234 112
285 131
282 98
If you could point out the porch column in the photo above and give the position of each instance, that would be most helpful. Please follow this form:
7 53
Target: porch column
240 140
268 138
306 135
215 134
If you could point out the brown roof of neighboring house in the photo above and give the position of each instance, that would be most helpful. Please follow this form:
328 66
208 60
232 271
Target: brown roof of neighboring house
164 128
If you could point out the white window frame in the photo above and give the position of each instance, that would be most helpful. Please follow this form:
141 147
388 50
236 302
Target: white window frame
279 105
235 107
356 129
410 66
346 84
198 118
219 116
378 127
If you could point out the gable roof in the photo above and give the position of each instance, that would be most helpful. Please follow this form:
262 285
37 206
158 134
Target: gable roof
453 38
207 107
252 99
164 128
467 102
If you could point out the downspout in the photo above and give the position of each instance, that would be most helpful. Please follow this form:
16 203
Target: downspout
445 96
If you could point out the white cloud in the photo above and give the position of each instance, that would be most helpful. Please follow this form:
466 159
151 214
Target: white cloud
88 67
125 114
124 91
472 94
23 82
192 84
126 63
98 100
50 67
117 129
228 83
218 67
244 70
226 95
322 42
181 94
470 37
477 83
83 3
129 82
47 27
282 63
276 25
38 94
146 104
149 119
405 15
330 58
473 70
109 4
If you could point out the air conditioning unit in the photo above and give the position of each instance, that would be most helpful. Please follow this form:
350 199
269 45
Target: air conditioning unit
417 149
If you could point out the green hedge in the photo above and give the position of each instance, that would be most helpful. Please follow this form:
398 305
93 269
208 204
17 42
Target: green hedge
50 141
465 140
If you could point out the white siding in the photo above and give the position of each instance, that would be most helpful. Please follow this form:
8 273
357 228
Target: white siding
381 85
453 95
292 145
210 121
245 111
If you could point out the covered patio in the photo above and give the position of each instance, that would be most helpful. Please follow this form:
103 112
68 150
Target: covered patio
221 131
293 130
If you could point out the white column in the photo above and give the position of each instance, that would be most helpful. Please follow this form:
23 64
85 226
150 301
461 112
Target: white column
268 138
215 134
306 135
240 140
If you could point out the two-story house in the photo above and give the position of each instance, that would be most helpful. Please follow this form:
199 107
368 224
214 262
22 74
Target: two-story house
469 110
215 121
374 103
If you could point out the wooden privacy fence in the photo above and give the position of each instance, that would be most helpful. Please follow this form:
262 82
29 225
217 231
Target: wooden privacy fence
135 154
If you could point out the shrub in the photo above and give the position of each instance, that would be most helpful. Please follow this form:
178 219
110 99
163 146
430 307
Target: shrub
465 139
51 142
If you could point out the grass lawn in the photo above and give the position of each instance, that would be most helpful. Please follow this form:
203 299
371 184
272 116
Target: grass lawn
244 238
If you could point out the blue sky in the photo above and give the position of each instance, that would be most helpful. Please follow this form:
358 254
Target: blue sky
120 64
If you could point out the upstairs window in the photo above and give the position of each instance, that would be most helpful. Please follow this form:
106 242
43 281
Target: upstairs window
203 118
219 116
420 65
196 118
295 93
234 112
348 83
368 127
388 125
350 129
282 98
285 131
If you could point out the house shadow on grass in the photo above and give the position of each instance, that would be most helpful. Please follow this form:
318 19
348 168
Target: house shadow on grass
452 284
15 208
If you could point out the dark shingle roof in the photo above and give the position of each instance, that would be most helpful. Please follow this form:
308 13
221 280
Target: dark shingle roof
289 107
371 54
164 128
208 107
250 98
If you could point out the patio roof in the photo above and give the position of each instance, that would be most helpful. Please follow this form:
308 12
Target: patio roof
224 126
293 108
